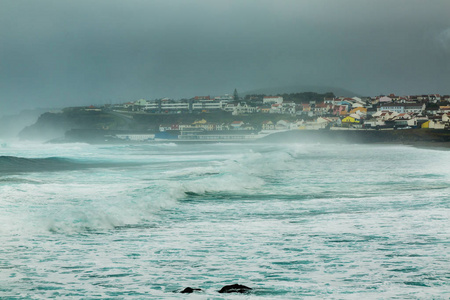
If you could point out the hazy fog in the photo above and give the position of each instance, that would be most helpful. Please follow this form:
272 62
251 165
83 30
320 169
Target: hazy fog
60 53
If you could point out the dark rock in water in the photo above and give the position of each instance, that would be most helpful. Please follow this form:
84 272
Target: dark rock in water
189 290
235 288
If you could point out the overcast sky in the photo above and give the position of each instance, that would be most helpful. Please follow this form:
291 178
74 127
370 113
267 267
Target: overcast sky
61 53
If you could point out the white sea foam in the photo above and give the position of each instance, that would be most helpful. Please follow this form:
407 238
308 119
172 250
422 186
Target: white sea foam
289 221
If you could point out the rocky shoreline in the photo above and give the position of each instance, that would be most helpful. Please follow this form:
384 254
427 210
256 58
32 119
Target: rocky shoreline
413 137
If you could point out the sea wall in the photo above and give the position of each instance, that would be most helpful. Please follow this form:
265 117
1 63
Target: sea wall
408 136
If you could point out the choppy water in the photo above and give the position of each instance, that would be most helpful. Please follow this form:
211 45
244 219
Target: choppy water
290 221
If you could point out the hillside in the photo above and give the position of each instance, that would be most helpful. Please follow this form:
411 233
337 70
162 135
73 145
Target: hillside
55 125
302 89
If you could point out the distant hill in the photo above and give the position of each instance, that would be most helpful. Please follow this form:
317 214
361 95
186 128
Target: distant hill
302 89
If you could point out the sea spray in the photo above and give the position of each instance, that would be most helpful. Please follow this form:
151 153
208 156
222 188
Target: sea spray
290 221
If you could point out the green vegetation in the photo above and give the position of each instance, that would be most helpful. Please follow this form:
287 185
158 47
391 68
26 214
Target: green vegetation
50 125
235 95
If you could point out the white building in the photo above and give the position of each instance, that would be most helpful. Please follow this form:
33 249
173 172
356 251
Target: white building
403 107
207 105
385 99
176 106
225 98
242 109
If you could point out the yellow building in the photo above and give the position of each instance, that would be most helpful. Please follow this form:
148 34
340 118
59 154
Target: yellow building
200 122
351 120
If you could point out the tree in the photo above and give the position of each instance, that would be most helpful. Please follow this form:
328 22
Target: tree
235 95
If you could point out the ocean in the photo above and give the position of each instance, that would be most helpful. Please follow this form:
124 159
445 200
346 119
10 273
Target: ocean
290 221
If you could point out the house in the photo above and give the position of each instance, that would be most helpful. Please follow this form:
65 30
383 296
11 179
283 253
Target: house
394 97
288 107
236 124
338 109
359 110
268 125
405 119
319 123
422 97
435 123
164 127
322 108
247 126
282 125
141 105
243 108
209 126
445 108
352 119
92 108
385 99
329 100
435 98
446 117
357 100
229 107
296 125
384 115
185 126
414 107
324 121
221 127
306 107
276 108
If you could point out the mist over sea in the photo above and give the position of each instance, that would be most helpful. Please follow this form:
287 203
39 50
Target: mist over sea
291 221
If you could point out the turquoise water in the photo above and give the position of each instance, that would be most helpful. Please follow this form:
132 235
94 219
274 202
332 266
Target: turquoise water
288 220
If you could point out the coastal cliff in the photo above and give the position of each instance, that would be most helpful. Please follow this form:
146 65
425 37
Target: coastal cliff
75 125
94 124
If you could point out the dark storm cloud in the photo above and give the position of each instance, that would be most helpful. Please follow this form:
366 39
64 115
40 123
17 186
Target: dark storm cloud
58 53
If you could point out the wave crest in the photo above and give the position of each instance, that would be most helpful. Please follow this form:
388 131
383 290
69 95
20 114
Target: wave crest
14 164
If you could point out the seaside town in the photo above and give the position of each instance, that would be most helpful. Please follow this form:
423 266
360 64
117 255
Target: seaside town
230 117
386 112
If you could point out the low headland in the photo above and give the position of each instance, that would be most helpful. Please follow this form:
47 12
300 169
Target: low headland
304 118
